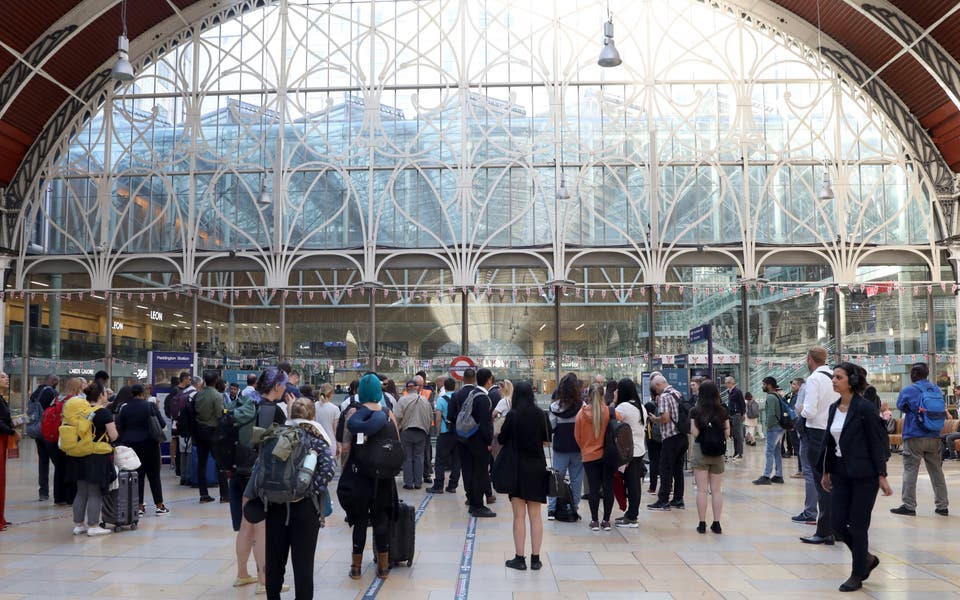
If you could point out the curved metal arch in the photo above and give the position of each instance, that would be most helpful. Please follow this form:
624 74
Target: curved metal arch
466 255
772 18
95 91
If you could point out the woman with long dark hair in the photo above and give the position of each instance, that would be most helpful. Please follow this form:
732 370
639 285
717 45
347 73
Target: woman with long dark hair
854 468
566 453
133 423
630 410
709 413
590 431
525 429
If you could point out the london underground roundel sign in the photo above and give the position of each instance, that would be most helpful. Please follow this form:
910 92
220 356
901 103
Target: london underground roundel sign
460 364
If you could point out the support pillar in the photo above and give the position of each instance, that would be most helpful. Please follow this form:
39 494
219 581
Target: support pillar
464 325
56 305
745 355
651 328
373 328
283 326
556 334
108 359
839 319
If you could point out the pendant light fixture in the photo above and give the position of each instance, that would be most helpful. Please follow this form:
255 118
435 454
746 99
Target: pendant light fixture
609 57
122 69
264 196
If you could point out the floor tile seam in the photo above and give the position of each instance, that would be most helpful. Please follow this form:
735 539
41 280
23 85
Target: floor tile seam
377 584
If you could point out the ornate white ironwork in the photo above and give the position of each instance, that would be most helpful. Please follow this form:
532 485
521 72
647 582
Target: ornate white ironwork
428 134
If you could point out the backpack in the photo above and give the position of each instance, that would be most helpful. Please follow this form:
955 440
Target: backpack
932 411
712 440
35 414
76 432
753 409
227 451
617 442
787 417
566 508
380 456
683 413
285 467
343 419
466 425
52 420
450 419
183 413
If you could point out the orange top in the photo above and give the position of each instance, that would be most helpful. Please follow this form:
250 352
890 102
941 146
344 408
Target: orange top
591 447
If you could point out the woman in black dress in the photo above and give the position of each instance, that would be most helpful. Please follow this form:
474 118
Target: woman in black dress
525 429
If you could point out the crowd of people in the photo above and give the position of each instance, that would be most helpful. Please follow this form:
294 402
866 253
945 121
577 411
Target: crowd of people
829 420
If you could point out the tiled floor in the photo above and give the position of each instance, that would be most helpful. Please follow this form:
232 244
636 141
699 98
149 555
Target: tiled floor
189 553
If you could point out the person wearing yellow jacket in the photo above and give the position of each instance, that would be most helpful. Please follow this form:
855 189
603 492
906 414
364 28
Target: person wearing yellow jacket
93 472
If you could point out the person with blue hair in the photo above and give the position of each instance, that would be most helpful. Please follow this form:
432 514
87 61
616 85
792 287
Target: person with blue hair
368 501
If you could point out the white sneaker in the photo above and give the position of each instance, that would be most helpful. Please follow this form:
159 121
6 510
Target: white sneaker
79 530
95 531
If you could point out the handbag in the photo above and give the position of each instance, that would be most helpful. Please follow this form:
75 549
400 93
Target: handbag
157 433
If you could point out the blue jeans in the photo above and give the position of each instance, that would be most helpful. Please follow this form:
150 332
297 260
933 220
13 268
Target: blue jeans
810 490
572 463
774 460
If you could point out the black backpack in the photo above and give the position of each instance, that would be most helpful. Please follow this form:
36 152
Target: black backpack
228 452
341 422
617 442
683 414
712 440
566 509
179 407
380 456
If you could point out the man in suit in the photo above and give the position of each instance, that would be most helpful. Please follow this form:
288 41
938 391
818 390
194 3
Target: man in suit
737 408
475 450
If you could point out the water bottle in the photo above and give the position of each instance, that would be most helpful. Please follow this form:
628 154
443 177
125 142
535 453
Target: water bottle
306 470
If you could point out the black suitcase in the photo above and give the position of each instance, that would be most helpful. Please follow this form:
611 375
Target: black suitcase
403 533
120 505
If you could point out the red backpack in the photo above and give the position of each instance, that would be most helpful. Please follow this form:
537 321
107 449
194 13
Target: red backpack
52 419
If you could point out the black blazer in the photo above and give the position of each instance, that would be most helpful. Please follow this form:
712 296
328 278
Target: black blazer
863 441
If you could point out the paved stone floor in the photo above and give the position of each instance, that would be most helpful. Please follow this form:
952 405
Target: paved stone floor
189 553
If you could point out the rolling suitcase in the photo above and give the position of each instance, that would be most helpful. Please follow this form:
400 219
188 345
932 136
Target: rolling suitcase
403 536
120 505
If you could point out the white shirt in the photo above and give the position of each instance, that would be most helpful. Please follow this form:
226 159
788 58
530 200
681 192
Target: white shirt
327 415
836 428
818 395
630 415
503 407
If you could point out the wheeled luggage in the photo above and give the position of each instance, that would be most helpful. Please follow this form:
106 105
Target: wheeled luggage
403 534
120 505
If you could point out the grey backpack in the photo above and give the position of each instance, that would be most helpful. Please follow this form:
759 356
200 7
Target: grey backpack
280 475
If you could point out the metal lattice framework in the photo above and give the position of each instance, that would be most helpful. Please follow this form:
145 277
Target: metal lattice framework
434 134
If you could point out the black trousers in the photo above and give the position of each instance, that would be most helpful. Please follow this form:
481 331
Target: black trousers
43 465
671 467
428 456
204 441
600 476
149 454
381 532
631 481
63 491
852 504
653 455
475 466
824 522
294 534
448 458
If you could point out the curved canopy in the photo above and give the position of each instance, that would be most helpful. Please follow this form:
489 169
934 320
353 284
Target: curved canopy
905 49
